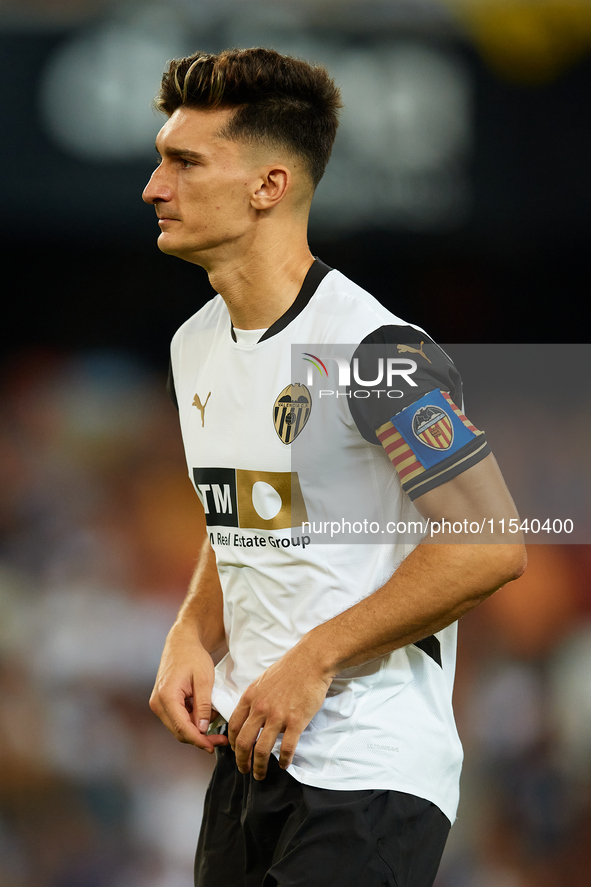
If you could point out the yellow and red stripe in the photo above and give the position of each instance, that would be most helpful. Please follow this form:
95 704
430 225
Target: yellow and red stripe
460 414
400 454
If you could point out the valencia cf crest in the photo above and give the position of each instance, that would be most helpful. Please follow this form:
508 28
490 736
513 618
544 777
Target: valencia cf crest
433 427
291 411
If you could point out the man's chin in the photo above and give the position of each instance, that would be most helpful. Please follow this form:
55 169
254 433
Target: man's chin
171 249
181 251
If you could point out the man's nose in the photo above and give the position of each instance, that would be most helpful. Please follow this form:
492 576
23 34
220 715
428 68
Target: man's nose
156 190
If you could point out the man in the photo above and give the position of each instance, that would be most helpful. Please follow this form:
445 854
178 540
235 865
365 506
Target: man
341 761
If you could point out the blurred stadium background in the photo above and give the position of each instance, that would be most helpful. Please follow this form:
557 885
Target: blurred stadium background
460 194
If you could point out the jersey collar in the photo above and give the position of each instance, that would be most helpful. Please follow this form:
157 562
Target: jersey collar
316 274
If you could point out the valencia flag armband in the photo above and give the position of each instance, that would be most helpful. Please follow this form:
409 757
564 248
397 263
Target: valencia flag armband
430 442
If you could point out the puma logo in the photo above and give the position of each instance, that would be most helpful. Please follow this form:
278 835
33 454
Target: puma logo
420 351
201 407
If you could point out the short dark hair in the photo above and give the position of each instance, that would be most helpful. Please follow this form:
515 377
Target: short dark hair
278 99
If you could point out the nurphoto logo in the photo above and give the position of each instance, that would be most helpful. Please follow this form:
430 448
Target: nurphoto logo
386 370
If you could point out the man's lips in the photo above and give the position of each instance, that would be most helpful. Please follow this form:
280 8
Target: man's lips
164 219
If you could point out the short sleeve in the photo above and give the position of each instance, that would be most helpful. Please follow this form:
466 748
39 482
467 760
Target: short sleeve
406 394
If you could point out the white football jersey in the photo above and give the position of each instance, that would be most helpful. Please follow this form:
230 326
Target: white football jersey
289 461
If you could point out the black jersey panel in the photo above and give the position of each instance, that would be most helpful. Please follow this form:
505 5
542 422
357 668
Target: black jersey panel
406 395
388 355
170 389
431 646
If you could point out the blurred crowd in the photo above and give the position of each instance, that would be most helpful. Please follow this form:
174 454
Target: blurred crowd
100 529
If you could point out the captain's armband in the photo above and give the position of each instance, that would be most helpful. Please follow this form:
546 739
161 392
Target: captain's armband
430 442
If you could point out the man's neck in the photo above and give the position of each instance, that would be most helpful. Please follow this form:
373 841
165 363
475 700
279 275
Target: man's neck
260 288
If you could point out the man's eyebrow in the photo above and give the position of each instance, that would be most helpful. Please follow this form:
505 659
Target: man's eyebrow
180 152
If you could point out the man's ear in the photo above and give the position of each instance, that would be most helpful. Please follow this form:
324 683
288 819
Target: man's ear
274 184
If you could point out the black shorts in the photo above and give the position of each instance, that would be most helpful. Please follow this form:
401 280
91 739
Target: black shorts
278 832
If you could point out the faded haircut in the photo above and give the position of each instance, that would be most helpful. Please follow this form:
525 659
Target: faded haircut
279 100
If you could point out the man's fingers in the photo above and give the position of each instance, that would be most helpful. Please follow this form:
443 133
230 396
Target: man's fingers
288 747
176 717
264 748
278 701
243 729
236 722
179 722
262 751
245 741
201 715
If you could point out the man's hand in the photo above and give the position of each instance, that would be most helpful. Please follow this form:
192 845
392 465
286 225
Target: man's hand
182 693
433 587
284 699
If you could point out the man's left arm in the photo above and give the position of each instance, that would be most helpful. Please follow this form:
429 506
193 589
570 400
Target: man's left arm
443 578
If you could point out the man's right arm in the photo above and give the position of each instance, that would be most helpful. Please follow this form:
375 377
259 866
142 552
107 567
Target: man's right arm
182 693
